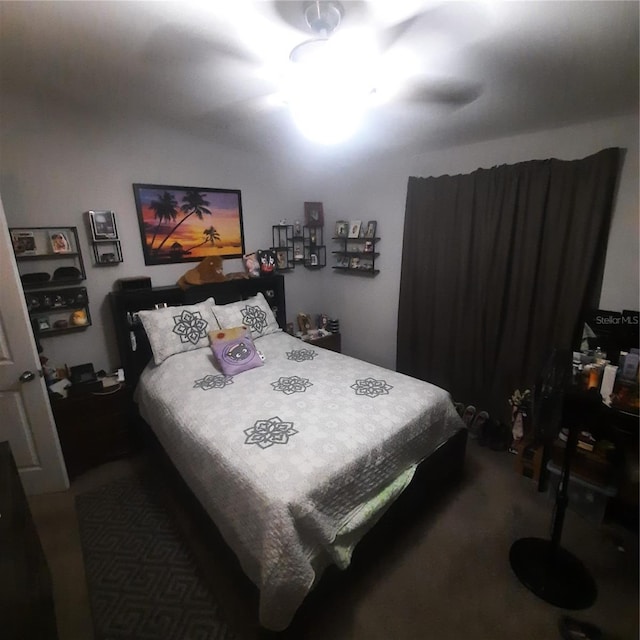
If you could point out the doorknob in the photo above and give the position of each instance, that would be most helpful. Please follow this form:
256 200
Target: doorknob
27 376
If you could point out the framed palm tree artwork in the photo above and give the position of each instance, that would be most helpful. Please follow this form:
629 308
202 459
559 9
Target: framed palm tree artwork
186 224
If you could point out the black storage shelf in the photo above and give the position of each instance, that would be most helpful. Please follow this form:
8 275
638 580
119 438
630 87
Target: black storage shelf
36 245
356 261
48 256
360 272
58 282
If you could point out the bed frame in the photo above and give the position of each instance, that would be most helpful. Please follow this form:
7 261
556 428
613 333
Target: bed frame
441 469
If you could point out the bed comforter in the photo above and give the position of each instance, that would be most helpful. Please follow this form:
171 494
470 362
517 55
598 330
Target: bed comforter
287 457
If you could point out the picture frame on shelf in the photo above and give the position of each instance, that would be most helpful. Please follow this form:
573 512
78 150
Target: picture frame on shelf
313 214
343 262
186 224
370 230
354 228
368 246
313 259
59 242
342 228
43 324
103 225
24 243
354 263
281 259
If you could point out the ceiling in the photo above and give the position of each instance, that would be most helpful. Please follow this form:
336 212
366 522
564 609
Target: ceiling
214 68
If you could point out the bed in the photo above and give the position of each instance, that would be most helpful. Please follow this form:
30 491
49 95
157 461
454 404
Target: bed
295 459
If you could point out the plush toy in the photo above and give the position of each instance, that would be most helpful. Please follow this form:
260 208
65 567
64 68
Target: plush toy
209 270
252 264
79 318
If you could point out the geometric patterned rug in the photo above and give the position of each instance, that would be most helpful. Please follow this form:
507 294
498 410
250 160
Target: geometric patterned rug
142 579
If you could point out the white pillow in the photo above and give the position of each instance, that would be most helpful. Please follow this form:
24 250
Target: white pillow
254 313
176 329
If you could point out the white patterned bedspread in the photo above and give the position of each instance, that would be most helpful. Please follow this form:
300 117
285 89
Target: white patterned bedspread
283 456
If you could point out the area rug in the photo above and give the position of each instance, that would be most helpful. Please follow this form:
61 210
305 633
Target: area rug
142 579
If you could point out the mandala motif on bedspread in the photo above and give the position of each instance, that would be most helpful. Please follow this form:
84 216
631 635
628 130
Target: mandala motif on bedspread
291 384
266 433
300 355
371 387
212 382
190 326
254 318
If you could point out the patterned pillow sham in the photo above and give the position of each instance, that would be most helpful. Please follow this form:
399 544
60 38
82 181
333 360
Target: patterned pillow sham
177 329
234 350
253 313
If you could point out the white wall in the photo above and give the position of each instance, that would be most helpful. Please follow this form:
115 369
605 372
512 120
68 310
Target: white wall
57 164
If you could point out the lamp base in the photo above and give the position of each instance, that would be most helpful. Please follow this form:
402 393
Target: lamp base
554 575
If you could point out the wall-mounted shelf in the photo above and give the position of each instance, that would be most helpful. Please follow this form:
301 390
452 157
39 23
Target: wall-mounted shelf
105 242
50 263
298 244
356 255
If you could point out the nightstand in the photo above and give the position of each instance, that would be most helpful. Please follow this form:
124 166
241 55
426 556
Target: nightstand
94 428
331 342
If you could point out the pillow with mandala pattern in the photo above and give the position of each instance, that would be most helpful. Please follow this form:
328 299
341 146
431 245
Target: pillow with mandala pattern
253 313
177 329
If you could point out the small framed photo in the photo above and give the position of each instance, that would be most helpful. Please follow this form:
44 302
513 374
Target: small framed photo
354 263
103 225
342 228
313 260
59 242
24 243
43 324
281 260
368 246
370 231
344 262
313 214
354 228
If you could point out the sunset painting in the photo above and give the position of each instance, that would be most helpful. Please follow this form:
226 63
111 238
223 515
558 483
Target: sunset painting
186 224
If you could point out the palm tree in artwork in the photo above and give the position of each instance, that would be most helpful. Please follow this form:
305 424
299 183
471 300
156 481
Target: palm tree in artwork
194 203
210 235
165 208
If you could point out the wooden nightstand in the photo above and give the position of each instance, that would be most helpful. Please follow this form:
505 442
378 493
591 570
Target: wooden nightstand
94 428
331 342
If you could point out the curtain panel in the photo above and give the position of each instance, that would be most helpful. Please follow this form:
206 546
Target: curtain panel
498 267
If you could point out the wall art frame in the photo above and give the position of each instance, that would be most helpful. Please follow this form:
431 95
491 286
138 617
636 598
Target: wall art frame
186 224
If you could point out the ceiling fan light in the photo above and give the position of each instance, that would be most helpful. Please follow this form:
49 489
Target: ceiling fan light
328 119
323 17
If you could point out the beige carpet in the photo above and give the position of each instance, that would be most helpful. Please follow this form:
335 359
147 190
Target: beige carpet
445 576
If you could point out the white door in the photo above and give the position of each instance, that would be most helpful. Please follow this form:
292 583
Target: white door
25 414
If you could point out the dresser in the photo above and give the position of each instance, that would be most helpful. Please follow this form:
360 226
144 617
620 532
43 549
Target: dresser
26 595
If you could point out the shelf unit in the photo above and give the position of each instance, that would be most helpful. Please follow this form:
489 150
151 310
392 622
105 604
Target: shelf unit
282 238
298 244
356 256
50 264
105 242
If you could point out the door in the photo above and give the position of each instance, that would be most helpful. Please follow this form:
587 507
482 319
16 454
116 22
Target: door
25 414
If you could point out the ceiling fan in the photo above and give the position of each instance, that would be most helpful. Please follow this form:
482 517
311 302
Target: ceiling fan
340 72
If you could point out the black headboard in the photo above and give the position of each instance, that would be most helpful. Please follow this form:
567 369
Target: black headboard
133 344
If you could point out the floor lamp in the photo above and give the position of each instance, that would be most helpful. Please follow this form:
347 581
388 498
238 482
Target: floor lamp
552 573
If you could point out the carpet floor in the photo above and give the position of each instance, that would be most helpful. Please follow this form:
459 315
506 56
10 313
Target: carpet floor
444 574
142 577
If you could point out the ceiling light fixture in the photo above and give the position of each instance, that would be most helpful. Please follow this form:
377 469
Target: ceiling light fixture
330 78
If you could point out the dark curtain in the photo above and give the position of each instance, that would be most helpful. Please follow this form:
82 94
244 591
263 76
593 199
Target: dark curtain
498 267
